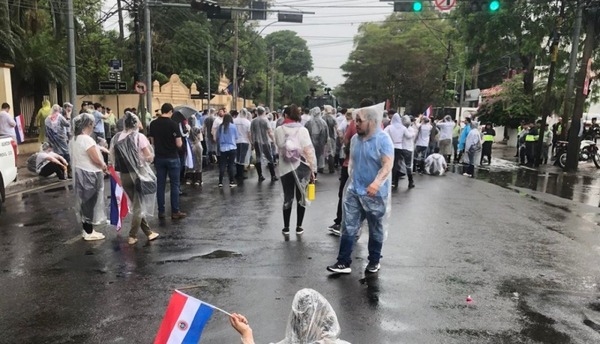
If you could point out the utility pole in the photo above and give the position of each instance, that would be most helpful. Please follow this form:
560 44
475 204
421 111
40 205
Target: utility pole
547 107
272 78
138 58
208 77
234 92
588 49
462 96
71 50
147 28
572 66
445 76
121 25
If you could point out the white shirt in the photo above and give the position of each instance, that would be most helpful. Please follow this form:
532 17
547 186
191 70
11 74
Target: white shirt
396 133
80 158
423 135
41 160
446 129
305 118
7 125
243 128
408 142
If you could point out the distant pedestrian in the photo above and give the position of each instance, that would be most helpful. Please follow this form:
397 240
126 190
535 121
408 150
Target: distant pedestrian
242 159
7 122
55 132
455 139
446 127
194 174
132 154
489 135
296 167
472 148
463 137
99 118
262 136
408 147
396 132
165 135
368 193
211 144
546 144
422 143
40 119
227 136
329 118
317 128
88 176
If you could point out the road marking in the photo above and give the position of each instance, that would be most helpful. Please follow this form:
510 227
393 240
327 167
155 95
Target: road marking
73 240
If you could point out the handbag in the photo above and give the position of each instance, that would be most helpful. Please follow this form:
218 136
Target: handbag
145 186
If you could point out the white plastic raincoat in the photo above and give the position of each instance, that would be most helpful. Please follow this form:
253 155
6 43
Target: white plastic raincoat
317 128
127 155
312 320
88 179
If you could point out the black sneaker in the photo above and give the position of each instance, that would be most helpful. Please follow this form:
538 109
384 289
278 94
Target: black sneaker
274 179
285 231
299 231
261 178
339 268
335 229
373 268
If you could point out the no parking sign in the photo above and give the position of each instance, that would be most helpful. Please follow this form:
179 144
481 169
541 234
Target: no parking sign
445 5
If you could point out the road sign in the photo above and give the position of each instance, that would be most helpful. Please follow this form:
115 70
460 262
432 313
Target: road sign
140 88
112 76
115 65
445 5
472 95
112 86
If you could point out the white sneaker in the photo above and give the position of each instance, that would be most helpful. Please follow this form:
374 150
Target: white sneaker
92 236
132 241
152 236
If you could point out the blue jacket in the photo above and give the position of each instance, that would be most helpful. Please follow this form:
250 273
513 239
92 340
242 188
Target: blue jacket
227 139
463 136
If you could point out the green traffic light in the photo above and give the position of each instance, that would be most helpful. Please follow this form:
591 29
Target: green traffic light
494 5
417 6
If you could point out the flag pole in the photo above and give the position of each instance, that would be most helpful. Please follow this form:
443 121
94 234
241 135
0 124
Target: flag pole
206 303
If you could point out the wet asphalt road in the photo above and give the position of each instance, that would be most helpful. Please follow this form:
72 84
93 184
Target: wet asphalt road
529 261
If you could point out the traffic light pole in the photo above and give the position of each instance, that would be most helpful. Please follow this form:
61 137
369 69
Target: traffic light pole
148 60
208 78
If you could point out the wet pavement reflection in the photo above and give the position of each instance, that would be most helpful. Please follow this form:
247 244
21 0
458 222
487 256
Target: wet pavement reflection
582 187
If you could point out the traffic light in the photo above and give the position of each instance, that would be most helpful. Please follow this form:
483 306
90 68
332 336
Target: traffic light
211 8
408 6
258 10
484 5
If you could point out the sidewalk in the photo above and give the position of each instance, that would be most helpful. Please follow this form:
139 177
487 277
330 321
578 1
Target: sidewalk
26 179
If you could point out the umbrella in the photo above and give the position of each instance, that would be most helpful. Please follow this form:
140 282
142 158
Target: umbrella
185 110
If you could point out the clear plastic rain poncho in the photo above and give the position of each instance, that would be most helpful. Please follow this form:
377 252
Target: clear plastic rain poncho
312 320
88 179
259 131
328 117
128 158
55 131
317 128
243 120
296 155
195 149
361 155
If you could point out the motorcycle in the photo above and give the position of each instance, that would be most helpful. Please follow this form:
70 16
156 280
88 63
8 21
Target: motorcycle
588 150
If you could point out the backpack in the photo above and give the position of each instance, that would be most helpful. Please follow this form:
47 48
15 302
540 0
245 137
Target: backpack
292 148
127 146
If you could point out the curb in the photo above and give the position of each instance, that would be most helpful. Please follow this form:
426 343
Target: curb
30 183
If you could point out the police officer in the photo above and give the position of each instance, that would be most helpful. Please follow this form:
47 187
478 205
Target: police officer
531 143
488 139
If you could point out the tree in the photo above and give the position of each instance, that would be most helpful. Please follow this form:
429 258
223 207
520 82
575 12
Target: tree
402 59
291 52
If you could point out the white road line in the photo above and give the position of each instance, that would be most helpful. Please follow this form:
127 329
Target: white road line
73 240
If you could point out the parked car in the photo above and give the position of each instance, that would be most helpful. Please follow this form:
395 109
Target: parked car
8 165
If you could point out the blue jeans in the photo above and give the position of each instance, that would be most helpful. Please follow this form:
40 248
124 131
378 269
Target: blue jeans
356 209
172 168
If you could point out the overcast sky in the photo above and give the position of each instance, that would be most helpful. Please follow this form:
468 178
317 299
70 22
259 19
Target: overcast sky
328 32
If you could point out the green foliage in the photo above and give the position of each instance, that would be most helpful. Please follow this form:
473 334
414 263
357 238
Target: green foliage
291 52
509 106
402 59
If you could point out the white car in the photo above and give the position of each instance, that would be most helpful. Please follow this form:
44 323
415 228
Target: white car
8 165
